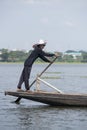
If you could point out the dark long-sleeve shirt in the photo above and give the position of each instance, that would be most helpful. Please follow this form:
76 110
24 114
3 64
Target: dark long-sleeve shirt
37 53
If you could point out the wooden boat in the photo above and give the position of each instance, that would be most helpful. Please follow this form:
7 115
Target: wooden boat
57 98
50 98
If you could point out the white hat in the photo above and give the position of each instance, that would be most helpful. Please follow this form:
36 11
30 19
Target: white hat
40 42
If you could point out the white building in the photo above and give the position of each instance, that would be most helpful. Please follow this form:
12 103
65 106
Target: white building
73 53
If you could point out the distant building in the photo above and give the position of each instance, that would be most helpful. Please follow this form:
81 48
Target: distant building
75 54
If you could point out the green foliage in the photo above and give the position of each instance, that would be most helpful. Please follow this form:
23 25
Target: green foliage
4 56
68 58
13 56
84 55
17 56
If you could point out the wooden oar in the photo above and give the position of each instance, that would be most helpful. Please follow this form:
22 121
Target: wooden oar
19 98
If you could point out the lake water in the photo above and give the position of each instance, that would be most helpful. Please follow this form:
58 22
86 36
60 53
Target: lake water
29 115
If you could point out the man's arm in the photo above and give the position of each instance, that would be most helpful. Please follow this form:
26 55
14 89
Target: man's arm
44 58
46 54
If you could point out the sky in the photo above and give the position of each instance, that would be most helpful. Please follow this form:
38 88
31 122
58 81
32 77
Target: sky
62 23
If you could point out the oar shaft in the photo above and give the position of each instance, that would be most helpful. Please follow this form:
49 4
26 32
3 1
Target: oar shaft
48 66
44 70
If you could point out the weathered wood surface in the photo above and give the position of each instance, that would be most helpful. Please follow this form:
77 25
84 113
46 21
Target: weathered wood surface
55 99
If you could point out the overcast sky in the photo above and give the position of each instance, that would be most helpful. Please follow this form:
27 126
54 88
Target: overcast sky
62 23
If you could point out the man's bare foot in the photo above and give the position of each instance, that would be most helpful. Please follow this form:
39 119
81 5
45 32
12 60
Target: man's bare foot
29 91
20 90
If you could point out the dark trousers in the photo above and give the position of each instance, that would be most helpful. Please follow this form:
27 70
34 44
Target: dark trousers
25 77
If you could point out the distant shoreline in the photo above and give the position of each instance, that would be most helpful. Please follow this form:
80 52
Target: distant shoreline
44 63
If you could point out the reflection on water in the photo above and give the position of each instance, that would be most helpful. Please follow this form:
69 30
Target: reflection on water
36 116
46 118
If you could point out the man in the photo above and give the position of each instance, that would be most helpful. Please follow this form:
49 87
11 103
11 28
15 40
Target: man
37 52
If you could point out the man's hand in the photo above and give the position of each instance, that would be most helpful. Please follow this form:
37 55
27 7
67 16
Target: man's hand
56 54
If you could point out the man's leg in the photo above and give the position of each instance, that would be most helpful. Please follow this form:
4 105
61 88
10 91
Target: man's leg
21 80
26 77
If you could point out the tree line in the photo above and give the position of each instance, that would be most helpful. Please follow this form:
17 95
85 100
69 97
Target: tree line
20 56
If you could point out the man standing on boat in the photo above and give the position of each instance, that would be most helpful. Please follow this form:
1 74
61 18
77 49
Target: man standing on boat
36 53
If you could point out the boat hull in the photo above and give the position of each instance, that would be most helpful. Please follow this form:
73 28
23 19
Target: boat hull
54 99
